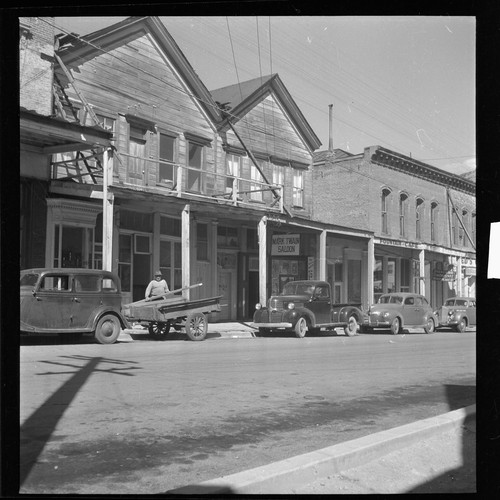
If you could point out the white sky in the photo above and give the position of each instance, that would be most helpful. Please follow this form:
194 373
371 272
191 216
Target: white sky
405 83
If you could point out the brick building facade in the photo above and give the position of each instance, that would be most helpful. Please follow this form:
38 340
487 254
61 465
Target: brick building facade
423 219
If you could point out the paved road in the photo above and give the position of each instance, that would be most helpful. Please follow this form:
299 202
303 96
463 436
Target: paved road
146 417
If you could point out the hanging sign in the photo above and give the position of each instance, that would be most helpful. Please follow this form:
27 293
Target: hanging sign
285 244
444 275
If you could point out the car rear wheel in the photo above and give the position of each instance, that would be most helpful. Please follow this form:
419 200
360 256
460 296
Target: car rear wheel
395 326
108 329
352 327
430 327
196 326
158 329
301 328
462 325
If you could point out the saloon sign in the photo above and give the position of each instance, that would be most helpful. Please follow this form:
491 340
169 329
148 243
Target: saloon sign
285 244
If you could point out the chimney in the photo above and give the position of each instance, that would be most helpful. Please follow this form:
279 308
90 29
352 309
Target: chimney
330 135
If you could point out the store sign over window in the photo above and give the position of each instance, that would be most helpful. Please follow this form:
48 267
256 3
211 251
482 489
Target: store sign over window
444 275
285 244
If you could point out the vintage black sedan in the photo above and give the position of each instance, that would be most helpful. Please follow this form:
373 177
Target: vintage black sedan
396 311
71 301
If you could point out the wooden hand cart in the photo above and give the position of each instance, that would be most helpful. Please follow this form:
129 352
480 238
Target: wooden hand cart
172 311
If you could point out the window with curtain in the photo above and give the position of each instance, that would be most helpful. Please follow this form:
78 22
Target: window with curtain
167 170
298 188
233 168
256 186
195 164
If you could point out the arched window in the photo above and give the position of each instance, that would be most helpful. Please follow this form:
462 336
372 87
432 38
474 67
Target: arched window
385 198
464 239
473 227
419 210
403 201
434 212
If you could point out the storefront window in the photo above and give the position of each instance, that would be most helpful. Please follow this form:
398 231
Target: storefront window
378 274
73 246
405 276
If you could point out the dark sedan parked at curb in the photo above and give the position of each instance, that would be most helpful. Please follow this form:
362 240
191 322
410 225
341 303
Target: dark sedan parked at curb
396 311
71 301
457 313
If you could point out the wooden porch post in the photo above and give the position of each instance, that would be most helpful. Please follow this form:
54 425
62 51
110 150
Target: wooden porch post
186 254
262 232
107 211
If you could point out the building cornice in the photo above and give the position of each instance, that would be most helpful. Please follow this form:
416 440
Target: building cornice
396 161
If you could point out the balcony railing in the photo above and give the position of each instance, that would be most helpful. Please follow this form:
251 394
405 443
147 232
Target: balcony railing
175 180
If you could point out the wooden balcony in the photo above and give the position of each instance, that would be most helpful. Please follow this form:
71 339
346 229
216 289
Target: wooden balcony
170 179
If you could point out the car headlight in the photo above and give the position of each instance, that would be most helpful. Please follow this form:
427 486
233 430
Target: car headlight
291 305
387 314
258 306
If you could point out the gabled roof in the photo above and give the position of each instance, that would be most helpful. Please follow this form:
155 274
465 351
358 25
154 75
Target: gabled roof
73 50
242 97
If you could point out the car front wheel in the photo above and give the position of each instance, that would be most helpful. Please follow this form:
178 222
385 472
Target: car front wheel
108 329
430 327
352 327
395 326
461 326
301 328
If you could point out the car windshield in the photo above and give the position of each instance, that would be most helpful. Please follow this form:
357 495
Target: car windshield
29 279
298 289
390 299
449 302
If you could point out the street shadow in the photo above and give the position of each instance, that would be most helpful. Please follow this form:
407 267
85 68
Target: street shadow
461 479
38 428
196 489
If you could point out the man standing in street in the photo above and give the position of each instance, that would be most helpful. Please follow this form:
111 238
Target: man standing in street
157 287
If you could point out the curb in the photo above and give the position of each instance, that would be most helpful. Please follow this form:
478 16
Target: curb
304 469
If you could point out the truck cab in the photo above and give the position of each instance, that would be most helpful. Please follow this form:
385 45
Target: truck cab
306 306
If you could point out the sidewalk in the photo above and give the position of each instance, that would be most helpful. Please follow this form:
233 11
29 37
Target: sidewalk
435 455
235 330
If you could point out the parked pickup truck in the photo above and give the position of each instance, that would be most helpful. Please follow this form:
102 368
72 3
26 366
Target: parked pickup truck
306 306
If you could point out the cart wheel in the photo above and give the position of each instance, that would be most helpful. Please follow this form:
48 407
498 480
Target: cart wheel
158 329
196 326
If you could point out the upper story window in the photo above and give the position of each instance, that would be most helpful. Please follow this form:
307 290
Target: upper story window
106 122
139 129
298 188
385 202
419 210
233 169
196 150
464 239
434 212
167 172
278 175
257 185
473 227
137 151
403 202
454 227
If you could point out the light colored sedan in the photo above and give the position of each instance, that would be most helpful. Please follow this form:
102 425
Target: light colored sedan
457 313
396 311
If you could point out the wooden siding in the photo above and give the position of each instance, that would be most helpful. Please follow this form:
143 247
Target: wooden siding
136 79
